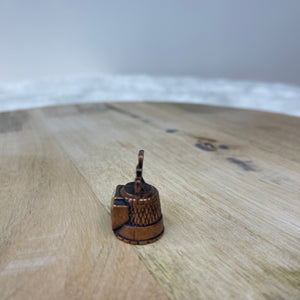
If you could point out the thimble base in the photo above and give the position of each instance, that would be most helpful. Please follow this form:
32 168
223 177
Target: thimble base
140 242
140 235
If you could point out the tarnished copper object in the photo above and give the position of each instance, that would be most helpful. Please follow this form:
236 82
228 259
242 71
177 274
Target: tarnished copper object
135 210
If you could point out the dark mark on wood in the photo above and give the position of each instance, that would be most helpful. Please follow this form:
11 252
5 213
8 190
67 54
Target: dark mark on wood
245 165
171 130
74 110
134 116
224 147
122 111
206 146
12 121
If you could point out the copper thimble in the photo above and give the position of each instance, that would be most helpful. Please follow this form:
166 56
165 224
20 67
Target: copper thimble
135 210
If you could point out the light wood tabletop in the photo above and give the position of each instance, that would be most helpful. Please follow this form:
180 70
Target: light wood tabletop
229 187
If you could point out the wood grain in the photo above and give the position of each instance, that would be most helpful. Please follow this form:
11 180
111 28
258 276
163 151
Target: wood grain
56 239
229 188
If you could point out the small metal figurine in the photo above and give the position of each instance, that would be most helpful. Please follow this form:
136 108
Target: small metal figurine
135 210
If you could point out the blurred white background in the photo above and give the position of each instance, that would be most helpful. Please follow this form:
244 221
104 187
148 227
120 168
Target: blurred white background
251 41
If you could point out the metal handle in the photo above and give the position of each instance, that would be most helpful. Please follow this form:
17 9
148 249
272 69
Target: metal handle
139 173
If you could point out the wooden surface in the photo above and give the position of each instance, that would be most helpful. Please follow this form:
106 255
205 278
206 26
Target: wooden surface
229 186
